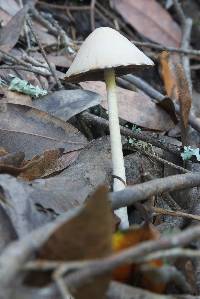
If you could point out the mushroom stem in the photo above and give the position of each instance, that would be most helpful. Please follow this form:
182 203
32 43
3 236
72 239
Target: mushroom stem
115 139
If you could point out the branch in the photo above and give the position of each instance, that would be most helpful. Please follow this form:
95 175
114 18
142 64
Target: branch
142 191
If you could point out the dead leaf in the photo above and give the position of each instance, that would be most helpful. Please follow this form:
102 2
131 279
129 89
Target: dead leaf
16 201
4 16
60 60
50 162
184 94
67 103
185 100
85 174
13 160
168 75
84 237
143 16
9 35
10 6
15 97
42 32
134 107
11 163
32 131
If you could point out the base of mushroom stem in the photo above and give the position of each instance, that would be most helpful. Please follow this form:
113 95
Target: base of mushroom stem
122 213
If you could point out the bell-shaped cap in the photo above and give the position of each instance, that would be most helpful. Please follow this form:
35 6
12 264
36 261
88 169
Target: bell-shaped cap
105 48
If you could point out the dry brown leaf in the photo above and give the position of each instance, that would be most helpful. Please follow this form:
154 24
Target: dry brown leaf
11 163
15 97
84 237
32 131
134 107
150 19
185 100
9 34
184 94
50 162
168 75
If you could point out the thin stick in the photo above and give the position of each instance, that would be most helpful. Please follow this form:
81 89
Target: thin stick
142 191
175 213
171 253
44 73
44 54
148 137
92 14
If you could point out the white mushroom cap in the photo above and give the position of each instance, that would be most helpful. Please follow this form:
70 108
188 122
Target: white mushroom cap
105 48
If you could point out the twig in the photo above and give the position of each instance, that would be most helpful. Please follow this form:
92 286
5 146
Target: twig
55 30
113 16
175 213
171 253
186 25
154 156
190 52
187 29
43 53
12 58
31 69
142 191
92 14
120 291
179 11
63 7
154 139
25 28
63 288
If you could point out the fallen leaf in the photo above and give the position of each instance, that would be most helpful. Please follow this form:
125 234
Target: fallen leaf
60 60
185 100
45 38
134 107
184 94
17 203
32 131
14 159
16 98
4 17
84 237
9 35
10 6
168 75
143 16
50 162
67 103
84 175
11 163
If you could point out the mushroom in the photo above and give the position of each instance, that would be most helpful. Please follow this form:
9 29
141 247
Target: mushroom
104 54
